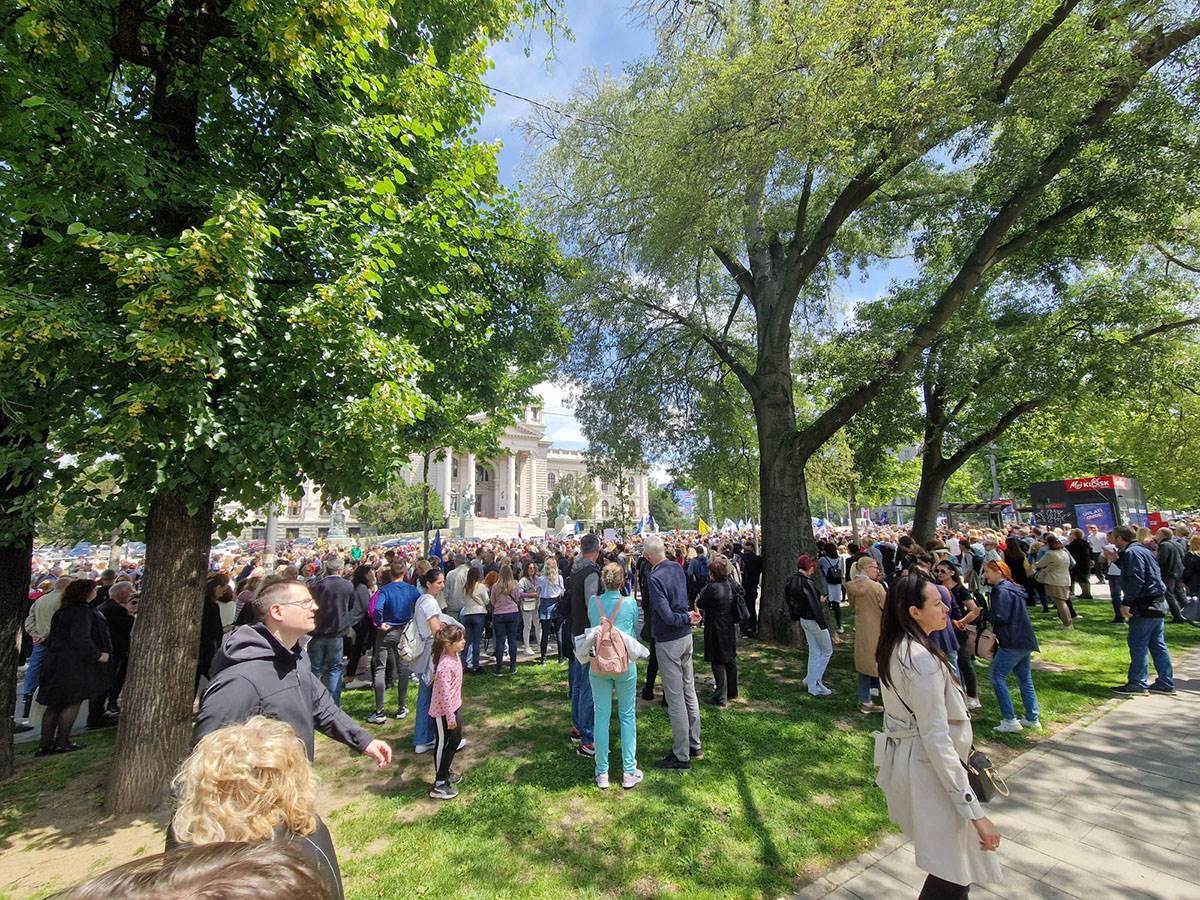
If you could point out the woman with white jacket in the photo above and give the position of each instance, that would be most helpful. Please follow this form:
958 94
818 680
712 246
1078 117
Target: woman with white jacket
924 745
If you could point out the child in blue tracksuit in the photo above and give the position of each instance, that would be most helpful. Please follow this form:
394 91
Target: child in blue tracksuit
625 610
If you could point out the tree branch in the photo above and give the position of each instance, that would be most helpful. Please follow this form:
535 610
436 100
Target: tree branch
1025 55
125 44
969 448
745 281
1037 229
1154 50
1160 329
1172 258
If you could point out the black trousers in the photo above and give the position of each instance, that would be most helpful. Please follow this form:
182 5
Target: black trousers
1081 576
445 745
651 672
966 669
939 889
725 674
750 626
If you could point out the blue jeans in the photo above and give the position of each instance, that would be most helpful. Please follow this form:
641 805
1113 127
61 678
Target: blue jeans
583 712
1016 662
423 727
506 626
865 683
33 674
1146 634
474 624
325 656
1114 591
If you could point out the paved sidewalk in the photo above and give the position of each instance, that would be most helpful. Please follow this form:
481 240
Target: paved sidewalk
1104 809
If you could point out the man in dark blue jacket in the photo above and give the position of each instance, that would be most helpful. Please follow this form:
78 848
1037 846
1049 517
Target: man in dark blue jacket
1145 604
671 624
335 596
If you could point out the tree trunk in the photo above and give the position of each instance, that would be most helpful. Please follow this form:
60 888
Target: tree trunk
786 525
929 498
156 703
425 505
15 557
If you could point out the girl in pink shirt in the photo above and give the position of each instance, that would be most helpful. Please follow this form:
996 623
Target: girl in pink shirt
444 704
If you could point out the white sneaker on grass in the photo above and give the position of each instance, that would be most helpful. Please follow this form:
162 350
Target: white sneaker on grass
1032 724
602 781
973 703
422 748
631 779
1008 726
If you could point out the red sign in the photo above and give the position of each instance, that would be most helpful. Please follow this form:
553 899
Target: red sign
1096 483
1155 521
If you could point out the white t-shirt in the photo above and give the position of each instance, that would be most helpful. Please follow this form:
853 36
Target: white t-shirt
427 607
1096 541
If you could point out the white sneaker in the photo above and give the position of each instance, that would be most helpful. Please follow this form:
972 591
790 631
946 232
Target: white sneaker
631 779
422 748
462 743
973 703
1035 724
602 781
1008 726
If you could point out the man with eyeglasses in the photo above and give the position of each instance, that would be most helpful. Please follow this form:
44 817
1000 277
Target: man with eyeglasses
262 669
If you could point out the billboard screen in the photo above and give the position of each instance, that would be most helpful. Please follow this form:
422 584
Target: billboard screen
1098 514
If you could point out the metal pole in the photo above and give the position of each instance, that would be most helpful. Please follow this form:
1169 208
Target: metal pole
271 538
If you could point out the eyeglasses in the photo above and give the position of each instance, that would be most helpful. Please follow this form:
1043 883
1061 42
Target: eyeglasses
307 601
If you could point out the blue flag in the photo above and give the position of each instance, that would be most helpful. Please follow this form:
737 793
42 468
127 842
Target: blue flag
436 549
577 527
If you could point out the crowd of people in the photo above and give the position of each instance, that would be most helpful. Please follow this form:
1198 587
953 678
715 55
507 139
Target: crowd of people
279 644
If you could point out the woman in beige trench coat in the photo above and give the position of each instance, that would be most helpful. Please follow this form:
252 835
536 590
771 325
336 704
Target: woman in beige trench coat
925 741
865 596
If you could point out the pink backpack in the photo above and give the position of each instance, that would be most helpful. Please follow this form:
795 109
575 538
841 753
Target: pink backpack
611 656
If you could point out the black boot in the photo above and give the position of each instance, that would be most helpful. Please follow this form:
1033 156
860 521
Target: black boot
28 706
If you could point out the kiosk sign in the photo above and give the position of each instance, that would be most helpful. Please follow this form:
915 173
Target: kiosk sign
1099 482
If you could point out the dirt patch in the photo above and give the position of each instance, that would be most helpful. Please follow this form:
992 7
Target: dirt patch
1042 665
70 839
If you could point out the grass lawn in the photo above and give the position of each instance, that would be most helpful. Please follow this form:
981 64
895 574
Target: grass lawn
786 787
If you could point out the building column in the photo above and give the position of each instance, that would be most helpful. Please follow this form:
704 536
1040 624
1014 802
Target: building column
644 494
447 478
598 512
468 482
510 496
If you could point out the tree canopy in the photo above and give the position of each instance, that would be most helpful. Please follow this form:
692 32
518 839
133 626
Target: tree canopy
825 137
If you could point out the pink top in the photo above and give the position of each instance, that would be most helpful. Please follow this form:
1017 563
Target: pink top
503 602
447 686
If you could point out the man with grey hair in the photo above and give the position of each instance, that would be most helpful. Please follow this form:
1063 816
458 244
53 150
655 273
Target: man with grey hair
120 617
335 599
1170 563
37 624
671 623
456 581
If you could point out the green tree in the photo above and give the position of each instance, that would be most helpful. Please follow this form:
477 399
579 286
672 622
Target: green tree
275 217
1025 347
581 493
665 509
400 507
819 138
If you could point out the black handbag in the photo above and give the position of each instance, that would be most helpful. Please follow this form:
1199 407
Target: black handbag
985 781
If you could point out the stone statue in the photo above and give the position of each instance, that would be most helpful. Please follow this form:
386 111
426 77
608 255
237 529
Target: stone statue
467 504
563 509
337 520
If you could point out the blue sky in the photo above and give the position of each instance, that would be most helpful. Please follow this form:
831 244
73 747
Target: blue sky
606 36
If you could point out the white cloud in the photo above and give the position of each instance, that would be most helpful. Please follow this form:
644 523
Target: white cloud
659 474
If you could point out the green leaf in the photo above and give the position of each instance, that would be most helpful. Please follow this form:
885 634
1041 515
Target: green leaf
35 100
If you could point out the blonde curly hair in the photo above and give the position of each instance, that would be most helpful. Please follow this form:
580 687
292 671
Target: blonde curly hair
242 781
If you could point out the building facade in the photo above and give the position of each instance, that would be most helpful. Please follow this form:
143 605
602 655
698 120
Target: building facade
515 485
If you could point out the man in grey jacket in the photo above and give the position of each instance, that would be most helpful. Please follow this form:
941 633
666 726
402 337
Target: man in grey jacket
1170 563
262 670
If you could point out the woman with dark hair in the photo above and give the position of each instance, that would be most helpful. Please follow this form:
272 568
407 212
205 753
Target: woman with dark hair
1014 556
804 602
474 616
1015 644
362 629
922 751
963 612
78 647
719 606
217 590
832 571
